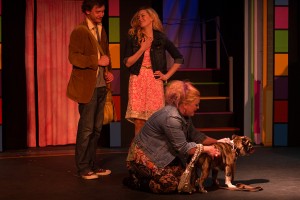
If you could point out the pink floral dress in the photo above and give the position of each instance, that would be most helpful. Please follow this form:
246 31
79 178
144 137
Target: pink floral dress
145 93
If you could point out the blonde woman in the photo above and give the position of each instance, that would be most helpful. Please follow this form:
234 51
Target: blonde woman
145 57
158 154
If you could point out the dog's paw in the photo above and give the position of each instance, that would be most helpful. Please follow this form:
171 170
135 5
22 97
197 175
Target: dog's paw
202 190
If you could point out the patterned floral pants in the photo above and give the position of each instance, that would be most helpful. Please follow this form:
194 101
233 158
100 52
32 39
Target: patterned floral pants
159 180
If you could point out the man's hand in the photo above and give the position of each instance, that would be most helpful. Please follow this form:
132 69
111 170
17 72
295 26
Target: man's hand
109 77
103 61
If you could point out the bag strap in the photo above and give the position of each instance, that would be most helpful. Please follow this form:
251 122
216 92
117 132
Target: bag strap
108 85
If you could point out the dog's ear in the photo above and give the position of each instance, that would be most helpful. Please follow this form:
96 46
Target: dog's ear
233 136
247 138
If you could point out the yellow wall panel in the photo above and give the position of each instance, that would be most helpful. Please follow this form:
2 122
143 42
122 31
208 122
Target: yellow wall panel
115 55
281 65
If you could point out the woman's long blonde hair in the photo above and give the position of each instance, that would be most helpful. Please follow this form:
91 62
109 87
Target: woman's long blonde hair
135 27
179 92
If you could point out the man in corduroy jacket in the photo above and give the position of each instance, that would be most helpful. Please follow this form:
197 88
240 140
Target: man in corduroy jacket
89 55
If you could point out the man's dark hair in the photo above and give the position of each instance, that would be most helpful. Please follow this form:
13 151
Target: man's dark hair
87 5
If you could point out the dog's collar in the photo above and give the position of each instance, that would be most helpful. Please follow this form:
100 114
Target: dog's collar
232 144
234 148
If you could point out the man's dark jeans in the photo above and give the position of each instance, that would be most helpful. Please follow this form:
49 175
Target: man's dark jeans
89 129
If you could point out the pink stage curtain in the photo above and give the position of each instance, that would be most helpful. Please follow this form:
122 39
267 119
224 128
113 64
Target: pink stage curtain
57 115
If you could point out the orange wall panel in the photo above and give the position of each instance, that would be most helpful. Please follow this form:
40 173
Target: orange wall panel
115 55
281 64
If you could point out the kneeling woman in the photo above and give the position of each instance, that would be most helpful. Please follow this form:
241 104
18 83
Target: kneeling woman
158 155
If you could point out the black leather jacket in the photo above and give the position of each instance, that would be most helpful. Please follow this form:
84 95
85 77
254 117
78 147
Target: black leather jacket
159 46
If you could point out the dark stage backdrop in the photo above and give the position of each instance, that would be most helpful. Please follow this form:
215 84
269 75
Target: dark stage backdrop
231 14
13 77
294 71
14 82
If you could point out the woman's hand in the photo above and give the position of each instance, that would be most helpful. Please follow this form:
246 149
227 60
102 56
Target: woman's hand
160 76
146 43
211 150
224 140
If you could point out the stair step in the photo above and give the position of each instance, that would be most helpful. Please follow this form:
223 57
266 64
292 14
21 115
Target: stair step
219 129
220 132
211 88
198 75
214 104
214 98
213 119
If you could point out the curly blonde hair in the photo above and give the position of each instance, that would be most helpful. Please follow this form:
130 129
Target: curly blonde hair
136 29
178 92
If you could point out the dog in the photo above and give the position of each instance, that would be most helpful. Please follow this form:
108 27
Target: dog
226 161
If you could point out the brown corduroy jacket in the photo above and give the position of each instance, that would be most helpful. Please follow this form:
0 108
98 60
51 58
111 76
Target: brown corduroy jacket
83 55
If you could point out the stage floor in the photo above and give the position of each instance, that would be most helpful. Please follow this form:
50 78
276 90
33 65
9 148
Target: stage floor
49 173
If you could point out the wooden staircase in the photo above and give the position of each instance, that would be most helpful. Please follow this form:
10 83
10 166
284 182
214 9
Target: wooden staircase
213 117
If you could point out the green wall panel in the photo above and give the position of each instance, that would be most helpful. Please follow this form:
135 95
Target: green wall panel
281 41
114 29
